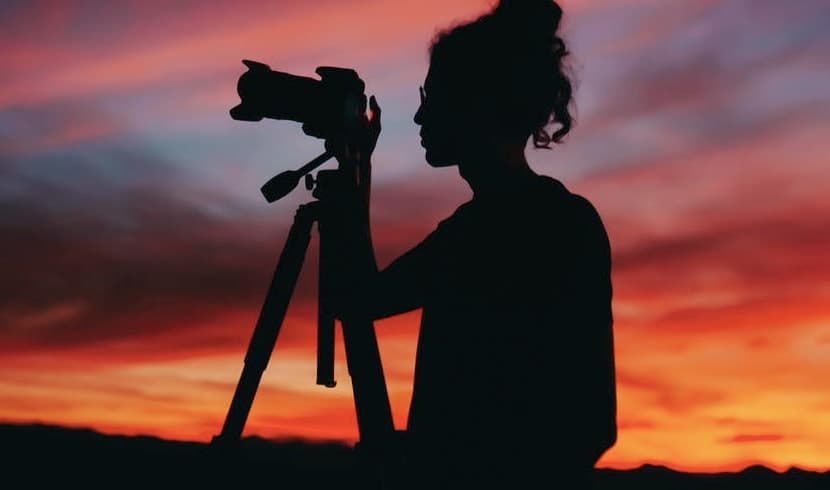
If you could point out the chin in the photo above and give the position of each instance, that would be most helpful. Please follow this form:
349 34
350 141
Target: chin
437 159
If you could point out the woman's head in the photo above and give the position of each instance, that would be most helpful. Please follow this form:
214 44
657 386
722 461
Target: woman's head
496 80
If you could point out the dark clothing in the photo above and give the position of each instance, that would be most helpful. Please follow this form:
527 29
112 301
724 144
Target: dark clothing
514 370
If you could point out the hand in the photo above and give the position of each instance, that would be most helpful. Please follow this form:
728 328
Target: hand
357 146
354 150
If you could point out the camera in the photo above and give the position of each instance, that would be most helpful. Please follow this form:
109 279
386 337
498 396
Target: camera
325 107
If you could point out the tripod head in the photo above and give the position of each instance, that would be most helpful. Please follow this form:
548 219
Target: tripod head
283 183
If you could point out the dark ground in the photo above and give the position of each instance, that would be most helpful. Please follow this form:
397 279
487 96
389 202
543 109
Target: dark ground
41 456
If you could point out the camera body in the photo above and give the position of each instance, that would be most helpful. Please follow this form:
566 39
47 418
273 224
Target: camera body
325 107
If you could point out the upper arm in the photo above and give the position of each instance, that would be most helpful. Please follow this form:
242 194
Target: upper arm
590 294
591 251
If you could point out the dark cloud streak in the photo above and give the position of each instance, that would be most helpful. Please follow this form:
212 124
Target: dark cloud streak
98 261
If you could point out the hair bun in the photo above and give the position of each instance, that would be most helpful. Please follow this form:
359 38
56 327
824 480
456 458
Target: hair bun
540 17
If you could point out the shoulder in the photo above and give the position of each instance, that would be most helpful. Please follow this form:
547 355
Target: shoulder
555 193
573 204
579 214
591 237
585 212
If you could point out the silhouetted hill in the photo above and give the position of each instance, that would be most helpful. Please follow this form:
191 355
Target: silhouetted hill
42 456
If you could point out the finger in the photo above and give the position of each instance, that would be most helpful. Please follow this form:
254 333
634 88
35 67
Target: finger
375 108
374 121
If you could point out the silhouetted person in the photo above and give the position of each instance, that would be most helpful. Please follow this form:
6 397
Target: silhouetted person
514 378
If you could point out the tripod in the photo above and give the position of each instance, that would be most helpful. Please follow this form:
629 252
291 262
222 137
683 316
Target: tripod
374 416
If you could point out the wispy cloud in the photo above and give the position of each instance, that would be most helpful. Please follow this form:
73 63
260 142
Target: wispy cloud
752 438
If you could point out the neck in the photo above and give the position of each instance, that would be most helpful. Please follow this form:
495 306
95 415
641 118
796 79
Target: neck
493 171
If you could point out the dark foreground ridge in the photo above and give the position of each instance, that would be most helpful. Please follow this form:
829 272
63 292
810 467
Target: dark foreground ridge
43 456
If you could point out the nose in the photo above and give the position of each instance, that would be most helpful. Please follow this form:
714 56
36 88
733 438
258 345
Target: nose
419 116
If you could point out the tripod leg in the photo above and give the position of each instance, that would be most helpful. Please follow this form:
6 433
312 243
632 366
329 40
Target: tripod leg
379 450
373 410
325 315
270 320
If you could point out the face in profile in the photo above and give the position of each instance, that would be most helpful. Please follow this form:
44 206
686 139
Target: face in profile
455 126
441 127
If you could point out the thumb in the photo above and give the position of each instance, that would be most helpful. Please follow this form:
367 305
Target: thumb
374 110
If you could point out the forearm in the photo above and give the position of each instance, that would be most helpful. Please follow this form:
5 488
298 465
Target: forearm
356 270
367 291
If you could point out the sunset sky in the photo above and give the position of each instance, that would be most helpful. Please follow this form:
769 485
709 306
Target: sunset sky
137 248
